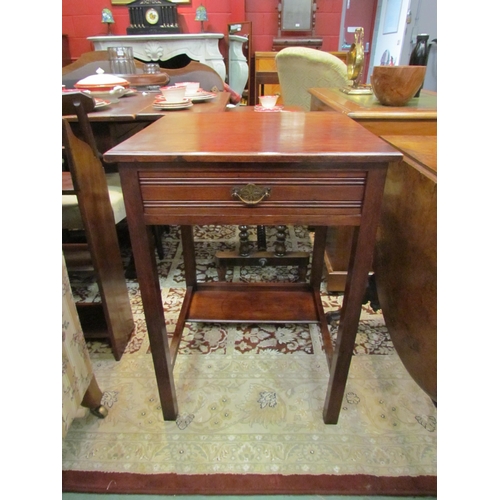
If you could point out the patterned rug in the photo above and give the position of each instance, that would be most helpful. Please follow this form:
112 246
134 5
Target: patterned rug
250 400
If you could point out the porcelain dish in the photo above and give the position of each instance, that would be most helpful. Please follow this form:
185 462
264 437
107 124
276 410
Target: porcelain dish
268 101
110 95
101 82
274 109
191 87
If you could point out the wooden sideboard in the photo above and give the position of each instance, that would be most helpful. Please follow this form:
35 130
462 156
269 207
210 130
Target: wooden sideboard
418 117
266 74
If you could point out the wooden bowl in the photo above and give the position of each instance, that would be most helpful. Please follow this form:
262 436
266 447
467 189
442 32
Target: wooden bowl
396 85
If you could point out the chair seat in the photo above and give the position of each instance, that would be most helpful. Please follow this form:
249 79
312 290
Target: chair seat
71 218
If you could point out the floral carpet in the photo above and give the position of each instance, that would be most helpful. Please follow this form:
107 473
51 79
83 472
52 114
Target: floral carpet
250 400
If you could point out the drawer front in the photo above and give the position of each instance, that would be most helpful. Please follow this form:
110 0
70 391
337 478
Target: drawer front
248 197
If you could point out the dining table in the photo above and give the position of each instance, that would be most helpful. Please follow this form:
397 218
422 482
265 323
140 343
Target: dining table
114 122
246 167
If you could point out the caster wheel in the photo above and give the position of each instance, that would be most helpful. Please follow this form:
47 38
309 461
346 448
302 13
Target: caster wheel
99 412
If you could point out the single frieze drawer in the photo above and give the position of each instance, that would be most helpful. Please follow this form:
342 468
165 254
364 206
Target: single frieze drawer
183 193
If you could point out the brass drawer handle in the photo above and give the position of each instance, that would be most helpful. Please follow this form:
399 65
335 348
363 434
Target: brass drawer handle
251 194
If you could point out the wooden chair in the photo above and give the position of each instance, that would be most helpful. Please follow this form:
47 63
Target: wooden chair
99 203
196 71
301 68
89 62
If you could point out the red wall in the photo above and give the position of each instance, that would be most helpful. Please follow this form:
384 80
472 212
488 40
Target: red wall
81 19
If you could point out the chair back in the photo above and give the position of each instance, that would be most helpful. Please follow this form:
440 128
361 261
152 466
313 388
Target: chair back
87 64
79 104
195 71
302 68
89 184
81 154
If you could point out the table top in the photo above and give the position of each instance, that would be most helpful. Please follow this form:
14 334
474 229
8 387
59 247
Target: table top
361 107
256 137
420 150
139 106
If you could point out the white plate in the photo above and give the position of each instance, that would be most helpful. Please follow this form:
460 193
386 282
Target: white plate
203 96
161 100
169 106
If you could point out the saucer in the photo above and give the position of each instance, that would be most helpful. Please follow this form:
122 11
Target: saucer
261 109
202 95
161 100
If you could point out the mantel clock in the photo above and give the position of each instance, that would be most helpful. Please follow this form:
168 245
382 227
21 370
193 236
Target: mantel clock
155 17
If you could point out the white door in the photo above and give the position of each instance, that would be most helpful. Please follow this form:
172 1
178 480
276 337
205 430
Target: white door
389 33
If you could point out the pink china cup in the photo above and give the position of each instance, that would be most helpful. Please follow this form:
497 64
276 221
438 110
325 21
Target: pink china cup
268 101
173 93
191 87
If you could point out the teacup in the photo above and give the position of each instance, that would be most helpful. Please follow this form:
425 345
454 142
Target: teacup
268 101
191 87
174 93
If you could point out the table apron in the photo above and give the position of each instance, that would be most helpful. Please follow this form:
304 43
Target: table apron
312 195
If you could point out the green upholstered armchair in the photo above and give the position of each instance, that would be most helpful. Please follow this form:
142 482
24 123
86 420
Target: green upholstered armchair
301 68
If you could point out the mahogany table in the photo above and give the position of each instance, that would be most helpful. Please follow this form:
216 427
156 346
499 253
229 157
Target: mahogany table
120 120
315 169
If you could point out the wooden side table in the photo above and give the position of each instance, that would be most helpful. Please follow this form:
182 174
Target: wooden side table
299 168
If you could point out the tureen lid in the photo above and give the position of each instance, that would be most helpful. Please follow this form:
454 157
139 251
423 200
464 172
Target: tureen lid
101 78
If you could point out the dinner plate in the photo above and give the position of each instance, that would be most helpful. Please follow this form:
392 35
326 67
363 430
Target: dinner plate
203 96
161 100
261 109
171 107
